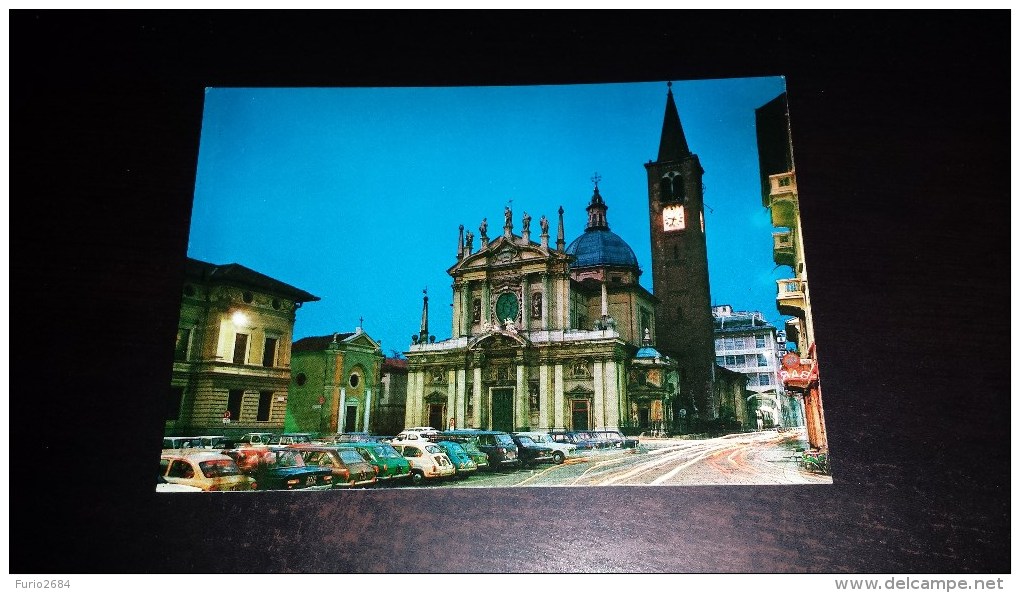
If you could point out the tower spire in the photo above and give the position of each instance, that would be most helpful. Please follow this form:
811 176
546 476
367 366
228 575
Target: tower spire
561 243
423 333
672 143
597 208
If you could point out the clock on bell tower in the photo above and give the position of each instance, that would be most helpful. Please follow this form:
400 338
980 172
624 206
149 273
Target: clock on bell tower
680 264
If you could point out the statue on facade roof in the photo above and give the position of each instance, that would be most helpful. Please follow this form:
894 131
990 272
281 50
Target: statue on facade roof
508 216
469 238
544 223
482 228
526 223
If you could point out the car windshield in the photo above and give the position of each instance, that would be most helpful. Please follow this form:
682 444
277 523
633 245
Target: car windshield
542 438
526 441
452 448
219 467
318 458
505 440
433 448
351 456
387 452
289 459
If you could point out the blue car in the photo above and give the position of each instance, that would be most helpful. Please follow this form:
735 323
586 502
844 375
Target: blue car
463 463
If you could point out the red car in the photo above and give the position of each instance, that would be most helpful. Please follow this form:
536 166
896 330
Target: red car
348 466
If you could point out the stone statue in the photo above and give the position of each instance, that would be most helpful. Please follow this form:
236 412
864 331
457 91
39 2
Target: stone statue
469 238
482 228
508 215
526 223
544 223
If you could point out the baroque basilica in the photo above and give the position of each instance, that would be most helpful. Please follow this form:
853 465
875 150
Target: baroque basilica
548 335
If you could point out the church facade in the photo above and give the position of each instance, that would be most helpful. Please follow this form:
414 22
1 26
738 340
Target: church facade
553 336
546 336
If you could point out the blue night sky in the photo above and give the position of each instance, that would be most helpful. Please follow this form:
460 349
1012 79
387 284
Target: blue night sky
355 194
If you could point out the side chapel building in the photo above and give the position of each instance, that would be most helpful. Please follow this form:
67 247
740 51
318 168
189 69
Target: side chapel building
553 336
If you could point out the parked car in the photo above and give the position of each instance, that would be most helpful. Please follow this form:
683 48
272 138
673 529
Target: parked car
355 437
462 462
254 438
530 452
560 450
617 439
427 459
348 466
283 469
584 440
163 486
416 433
181 442
215 442
388 462
476 454
289 438
207 470
497 445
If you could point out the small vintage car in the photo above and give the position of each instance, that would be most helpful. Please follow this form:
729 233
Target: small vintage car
281 469
476 454
349 468
208 470
497 445
388 462
289 438
530 452
584 440
163 486
428 460
617 439
255 438
182 442
561 451
462 462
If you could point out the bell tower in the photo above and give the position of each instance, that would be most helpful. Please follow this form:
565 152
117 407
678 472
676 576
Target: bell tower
680 265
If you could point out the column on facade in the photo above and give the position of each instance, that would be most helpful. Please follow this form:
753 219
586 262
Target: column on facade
342 406
476 398
525 303
414 397
451 398
546 302
613 394
599 412
544 401
486 316
522 404
460 412
458 294
563 300
368 409
464 310
557 397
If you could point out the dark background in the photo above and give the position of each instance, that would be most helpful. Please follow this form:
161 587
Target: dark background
901 134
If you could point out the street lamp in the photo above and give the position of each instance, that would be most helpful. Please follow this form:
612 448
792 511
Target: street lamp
239 318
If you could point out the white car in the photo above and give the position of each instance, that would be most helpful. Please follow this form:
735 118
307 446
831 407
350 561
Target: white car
417 433
560 450
163 486
428 460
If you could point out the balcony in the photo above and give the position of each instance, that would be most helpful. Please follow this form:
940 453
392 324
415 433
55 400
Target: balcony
783 199
790 297
783 251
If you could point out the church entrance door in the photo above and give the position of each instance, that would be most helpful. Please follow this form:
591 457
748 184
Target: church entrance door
436 414
503 409
579 414
351 418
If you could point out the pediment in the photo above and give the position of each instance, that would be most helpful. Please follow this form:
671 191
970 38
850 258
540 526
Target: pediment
362 339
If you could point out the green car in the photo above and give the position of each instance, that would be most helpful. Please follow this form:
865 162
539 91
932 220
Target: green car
476 454
390 464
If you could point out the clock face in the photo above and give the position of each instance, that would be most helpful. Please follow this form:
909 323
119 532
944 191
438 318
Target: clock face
506 306
673 218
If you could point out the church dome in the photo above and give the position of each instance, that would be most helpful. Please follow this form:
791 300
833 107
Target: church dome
599 246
